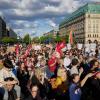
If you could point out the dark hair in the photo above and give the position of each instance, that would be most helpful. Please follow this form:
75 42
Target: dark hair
33 85
9 79
92 62
74 61
7 63
78 84
73 76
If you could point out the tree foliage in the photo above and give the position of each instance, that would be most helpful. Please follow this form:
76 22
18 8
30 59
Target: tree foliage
27 39
58 38
9 40
35 39
50 39
45 39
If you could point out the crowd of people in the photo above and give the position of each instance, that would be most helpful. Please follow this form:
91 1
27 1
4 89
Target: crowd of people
49 72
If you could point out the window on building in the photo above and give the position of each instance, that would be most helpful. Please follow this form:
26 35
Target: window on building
89 25
93 35
90 35
96 28
93 30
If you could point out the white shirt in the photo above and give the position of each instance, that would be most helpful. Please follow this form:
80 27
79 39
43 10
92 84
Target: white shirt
74 70
67 62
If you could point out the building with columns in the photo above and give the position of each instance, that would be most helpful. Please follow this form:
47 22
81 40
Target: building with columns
84 22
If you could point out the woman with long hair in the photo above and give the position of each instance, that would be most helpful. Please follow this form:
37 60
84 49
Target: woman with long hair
23 77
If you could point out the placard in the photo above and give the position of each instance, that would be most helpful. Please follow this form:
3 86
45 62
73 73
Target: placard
79 46
68 46
92 46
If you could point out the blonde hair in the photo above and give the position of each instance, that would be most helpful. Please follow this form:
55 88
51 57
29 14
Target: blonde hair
62 74
38 72
60 71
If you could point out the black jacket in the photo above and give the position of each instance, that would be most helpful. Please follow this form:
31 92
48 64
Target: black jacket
31 98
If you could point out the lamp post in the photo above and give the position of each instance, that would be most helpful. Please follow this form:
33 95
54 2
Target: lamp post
18 37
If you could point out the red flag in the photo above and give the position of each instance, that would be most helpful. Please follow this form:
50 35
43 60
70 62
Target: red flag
71 37
29 47
52 63
59 48
17 49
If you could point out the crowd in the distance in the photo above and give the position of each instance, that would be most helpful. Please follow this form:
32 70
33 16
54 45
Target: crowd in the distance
46 74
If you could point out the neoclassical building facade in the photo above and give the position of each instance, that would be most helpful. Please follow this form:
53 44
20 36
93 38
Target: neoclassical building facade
84 22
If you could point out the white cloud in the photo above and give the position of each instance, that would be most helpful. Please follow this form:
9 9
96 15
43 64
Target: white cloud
52 23
95 0
1 14
51 8
24 14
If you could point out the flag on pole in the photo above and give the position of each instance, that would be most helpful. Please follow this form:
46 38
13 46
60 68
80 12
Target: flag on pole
17 49
57 54
59 49
71 37
60 46
29 47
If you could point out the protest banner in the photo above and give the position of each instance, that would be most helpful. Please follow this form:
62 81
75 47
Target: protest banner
79 46
68 46
92 46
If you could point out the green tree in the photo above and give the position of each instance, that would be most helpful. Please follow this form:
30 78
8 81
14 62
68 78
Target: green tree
9 40
58 38
44 39
67 38
27 39
35 39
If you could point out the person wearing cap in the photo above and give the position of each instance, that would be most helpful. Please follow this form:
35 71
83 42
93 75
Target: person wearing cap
6 72
10 92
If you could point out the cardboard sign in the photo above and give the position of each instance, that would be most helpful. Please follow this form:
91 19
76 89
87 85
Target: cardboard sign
68 46
92 46
79 46
38 47
87 48
11 49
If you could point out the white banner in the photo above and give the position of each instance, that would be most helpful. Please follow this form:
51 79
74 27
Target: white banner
79 46
92 46
87 48
68 46
37 47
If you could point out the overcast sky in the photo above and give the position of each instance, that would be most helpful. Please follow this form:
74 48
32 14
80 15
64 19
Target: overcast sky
37 16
